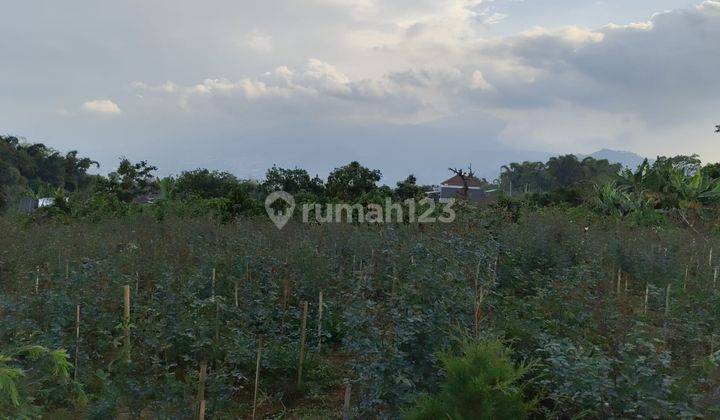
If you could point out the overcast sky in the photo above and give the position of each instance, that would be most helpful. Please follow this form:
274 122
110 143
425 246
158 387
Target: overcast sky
403 86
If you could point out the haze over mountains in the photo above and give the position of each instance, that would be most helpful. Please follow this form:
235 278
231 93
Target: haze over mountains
627 159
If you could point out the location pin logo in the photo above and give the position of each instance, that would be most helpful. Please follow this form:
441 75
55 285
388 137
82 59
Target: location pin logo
280 217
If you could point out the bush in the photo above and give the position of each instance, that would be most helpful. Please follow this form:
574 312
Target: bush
482 383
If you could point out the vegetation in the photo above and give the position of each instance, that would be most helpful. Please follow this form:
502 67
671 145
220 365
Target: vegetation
481 383
619 318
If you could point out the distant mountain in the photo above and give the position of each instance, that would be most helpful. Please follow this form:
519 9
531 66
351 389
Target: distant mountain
628 159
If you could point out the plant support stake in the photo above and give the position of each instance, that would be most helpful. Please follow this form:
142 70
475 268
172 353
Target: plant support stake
303 330
257 377
320 314
77 340
346 403
126 319
201 390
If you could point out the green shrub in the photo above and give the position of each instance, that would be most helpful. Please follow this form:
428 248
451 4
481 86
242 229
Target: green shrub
482 383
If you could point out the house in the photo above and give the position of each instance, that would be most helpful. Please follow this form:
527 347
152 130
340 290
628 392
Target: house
26 205
30 204
453 188
45 202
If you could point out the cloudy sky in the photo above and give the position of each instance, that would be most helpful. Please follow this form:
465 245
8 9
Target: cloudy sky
402 86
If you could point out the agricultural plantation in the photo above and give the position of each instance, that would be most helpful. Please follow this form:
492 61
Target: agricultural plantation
360 210
513 314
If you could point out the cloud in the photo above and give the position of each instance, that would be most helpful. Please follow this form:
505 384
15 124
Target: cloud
596 87
538 77
259 42
100 107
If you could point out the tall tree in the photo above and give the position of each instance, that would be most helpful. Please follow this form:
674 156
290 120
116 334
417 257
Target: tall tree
351 181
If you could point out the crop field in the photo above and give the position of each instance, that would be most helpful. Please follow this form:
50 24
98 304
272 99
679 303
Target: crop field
138 318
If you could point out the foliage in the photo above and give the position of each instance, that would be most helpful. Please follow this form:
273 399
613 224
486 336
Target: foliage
33 379
482 383
129 181
351 181
561 172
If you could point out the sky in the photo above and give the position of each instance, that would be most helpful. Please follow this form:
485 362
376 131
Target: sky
404 86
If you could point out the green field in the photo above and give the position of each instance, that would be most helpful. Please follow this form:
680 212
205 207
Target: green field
395 297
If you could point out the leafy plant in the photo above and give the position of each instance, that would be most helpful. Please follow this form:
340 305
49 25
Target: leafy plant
482 383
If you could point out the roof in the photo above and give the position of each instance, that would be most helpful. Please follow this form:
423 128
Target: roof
456 181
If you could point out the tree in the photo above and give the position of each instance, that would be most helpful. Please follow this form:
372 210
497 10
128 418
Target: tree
76 170
131 180
203 183
464 176
482 383
351 181
408 188
292 181
565 170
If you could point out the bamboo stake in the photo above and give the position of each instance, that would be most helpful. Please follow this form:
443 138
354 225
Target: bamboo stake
346 403
213 284
715 277
37 281
217 308
303 330
201 390
710 258
647 296
667 301
686 278
619 277
201 416
237 302
126 319
320 314
77 340
257 377
67 270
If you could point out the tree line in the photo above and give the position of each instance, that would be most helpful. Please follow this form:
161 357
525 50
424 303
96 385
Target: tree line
35 170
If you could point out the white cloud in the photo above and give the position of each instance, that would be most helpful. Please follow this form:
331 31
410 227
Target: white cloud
100 107
231 69
259 41
479 82
611 81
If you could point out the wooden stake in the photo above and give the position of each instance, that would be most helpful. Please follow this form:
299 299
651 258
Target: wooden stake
257 377
201 416
710 258
201 390
303 330
647 296
686 278
126 319
37 281
715 277
619 277
213 284
320 313
667 301
346 403
237 303
67 270
77 339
